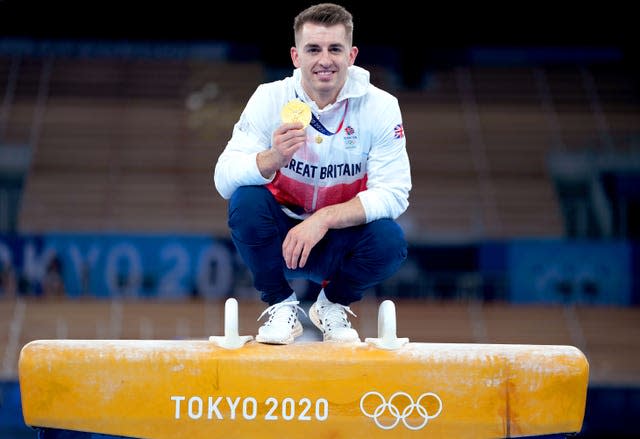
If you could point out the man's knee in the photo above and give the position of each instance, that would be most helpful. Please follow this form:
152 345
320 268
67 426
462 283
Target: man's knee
387 238
246 204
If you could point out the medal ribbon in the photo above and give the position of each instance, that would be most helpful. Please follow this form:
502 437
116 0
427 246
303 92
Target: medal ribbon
322 129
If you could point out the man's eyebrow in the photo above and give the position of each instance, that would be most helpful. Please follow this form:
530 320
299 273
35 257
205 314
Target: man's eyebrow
331 46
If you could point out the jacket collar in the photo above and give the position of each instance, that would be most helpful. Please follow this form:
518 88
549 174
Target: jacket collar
356 86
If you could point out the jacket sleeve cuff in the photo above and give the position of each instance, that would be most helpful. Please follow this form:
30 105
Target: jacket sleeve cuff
368 203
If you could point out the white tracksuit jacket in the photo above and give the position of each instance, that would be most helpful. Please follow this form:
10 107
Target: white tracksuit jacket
366 158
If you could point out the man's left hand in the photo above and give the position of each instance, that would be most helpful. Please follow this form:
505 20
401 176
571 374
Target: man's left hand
301 239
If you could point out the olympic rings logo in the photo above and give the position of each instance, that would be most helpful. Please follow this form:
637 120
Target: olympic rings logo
394 411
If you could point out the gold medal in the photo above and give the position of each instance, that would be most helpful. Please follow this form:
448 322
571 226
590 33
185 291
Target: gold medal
319 138
296 111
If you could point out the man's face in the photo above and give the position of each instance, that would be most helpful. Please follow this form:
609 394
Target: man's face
323 55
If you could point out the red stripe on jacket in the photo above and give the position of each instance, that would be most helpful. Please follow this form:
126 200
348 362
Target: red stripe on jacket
297 195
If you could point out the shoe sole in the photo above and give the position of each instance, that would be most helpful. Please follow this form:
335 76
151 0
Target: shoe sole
313 316
297 332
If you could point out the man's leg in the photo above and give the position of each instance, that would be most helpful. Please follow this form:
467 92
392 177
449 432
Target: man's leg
352 260
355 259
258 227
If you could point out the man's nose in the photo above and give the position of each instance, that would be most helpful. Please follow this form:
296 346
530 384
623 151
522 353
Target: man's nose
325 58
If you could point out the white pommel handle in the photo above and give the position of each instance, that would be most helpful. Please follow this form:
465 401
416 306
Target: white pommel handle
231 339
387 338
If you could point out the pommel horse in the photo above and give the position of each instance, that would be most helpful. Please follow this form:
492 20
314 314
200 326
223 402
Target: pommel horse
232 387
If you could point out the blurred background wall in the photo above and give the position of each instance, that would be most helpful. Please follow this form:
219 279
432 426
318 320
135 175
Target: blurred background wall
522 127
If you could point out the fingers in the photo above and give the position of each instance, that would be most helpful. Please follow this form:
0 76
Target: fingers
296 126
291 250
304 255
286 140
290 131
300 240
295 252
289 135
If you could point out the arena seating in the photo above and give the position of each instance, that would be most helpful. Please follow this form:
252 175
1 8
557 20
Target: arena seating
127 144
480 139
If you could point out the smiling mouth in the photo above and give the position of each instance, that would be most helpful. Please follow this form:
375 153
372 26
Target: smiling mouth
324 74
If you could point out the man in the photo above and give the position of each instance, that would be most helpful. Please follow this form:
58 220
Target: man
319 201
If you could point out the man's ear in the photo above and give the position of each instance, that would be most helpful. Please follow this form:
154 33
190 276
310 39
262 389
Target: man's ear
352 55
294 57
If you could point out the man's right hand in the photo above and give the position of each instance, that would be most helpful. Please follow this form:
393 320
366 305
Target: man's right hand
286 140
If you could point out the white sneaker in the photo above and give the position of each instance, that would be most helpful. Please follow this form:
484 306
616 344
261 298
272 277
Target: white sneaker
283 325
331 318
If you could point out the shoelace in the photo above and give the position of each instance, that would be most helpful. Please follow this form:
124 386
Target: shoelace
334 316
273 309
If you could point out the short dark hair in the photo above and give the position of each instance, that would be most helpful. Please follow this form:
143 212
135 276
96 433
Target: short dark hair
328 14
